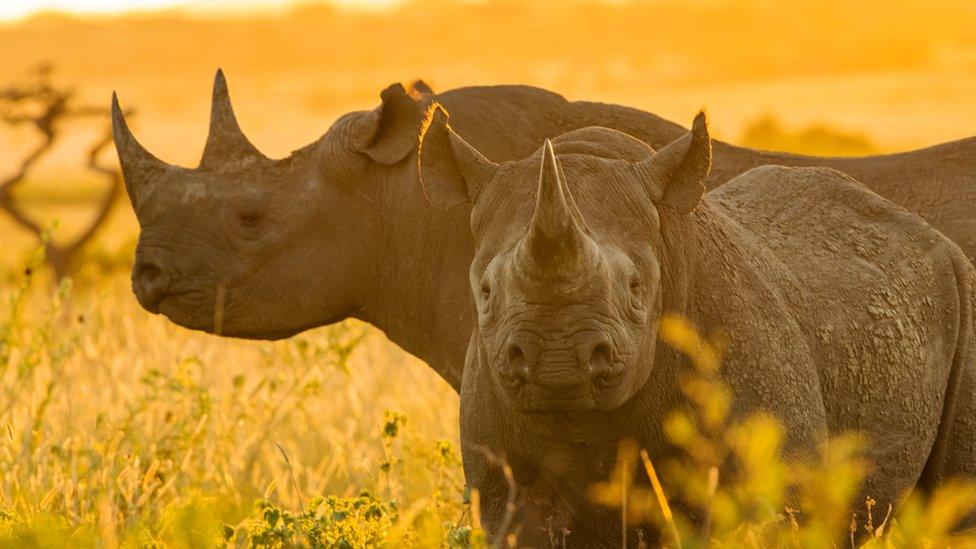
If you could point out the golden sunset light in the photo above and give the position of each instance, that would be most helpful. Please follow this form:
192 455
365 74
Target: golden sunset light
18 10
460 274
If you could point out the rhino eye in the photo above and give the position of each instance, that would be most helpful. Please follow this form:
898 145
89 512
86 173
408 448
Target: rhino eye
249 219
636 292
636 285
484 304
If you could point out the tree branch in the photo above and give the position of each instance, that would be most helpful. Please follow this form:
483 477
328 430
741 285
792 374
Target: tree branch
56 106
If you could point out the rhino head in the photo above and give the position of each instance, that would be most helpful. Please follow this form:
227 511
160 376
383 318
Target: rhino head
572 265
247 246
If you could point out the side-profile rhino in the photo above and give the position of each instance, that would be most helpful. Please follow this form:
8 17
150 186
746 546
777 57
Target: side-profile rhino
845 312
246 246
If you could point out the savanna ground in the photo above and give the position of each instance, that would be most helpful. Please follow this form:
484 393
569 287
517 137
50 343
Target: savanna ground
119 428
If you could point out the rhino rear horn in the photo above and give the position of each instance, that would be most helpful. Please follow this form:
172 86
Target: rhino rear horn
226 143
140 169
556 240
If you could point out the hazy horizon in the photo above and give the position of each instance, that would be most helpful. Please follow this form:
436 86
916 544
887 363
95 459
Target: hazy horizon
27 9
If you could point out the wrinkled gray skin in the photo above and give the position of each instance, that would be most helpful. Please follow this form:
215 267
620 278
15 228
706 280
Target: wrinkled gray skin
250 247
845 313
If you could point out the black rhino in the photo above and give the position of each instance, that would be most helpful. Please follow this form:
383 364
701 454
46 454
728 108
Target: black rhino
250 247
846 313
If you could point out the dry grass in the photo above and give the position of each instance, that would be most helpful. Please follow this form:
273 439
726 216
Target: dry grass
119 428
114 421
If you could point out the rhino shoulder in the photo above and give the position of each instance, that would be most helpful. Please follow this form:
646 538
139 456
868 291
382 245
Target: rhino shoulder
816 208
807 192
801 180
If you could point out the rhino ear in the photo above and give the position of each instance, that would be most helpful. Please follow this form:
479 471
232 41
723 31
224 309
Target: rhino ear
421 87
388 133
676 174
451 171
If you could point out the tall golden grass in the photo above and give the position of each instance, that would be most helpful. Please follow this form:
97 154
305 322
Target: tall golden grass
120 429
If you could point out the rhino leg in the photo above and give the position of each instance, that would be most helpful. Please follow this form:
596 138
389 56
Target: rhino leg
954 452
955 458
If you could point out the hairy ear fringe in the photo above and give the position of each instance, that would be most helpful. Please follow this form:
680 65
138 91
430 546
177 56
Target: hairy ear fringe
428 118
426 122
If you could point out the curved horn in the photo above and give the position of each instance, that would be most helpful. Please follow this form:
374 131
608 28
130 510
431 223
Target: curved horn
140 169
556 241
225 142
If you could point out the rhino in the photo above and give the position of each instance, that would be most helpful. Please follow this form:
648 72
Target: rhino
250 247
845 313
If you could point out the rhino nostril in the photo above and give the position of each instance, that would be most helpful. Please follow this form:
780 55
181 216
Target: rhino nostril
146 273
600 362
516 361
149 282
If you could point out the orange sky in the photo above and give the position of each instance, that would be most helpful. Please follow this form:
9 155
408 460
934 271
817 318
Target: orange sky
13 10
847 65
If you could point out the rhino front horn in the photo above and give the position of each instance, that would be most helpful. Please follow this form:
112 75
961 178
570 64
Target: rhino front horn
226 142
140 169
556 243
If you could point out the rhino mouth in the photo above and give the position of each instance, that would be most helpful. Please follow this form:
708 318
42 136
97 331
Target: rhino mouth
596 393
191 309
538 404
197 310
201 318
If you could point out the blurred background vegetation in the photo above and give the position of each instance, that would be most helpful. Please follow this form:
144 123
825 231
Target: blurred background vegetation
118 428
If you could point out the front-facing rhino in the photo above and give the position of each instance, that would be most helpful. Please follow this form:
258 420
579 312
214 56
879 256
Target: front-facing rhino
846 313
568 306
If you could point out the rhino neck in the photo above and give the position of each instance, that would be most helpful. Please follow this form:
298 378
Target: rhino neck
419 295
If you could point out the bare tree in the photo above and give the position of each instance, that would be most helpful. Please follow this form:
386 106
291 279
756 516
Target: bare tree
44 106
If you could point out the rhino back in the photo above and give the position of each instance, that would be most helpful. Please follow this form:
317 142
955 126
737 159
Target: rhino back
507 122
510 122
938 183
877 298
